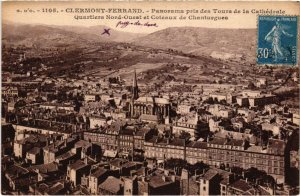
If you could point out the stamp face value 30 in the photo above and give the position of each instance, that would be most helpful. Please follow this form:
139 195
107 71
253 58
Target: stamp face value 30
277 40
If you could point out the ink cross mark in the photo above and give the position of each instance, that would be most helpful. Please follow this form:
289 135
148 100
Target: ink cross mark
106 31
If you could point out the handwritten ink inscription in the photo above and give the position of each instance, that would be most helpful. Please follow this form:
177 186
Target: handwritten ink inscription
124 24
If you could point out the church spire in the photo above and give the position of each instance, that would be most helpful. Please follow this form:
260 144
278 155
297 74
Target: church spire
134 87
134 84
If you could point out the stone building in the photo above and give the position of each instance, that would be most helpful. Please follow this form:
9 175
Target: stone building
147 105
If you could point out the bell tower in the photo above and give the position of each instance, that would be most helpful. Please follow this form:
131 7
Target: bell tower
135 94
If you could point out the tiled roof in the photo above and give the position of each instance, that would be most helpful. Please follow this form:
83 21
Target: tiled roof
77 165
34 150
56 188
16 170
65 156
210 174
99 172
111 184
224 141
219 141
241 185
110 153
118 162
157 181
129 164
197 144
177 142
45 168
277 144
82 143
127 131
42 188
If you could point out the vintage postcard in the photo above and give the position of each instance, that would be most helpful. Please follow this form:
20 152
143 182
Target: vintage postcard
150 98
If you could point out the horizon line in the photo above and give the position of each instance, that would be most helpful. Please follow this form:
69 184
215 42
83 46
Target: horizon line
114 28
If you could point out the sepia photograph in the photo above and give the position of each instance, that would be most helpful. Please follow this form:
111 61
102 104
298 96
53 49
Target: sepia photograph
150 98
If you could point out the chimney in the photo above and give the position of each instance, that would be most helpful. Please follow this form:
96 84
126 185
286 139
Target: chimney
163 178
231 178
166 172
145 171
227 140
86 160
173 178
65 142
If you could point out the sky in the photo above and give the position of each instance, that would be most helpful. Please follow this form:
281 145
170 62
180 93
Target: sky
9 13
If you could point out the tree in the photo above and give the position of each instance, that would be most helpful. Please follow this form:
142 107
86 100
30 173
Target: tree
210 100
237 170
20 103
251 86
197 167
70 96
223 102
253 174
185 135
167 133
78 104
61 96
292 175
268 180
175 163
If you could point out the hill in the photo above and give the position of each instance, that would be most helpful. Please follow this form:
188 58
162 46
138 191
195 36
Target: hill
218 43
59 36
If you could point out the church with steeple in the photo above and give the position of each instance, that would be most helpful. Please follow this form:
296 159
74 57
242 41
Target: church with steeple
149 107
135 90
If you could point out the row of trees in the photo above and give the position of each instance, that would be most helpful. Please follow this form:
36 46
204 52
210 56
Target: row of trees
253 175
179 164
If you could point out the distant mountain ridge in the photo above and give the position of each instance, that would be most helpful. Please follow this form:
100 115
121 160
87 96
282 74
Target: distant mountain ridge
219 43
52 35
